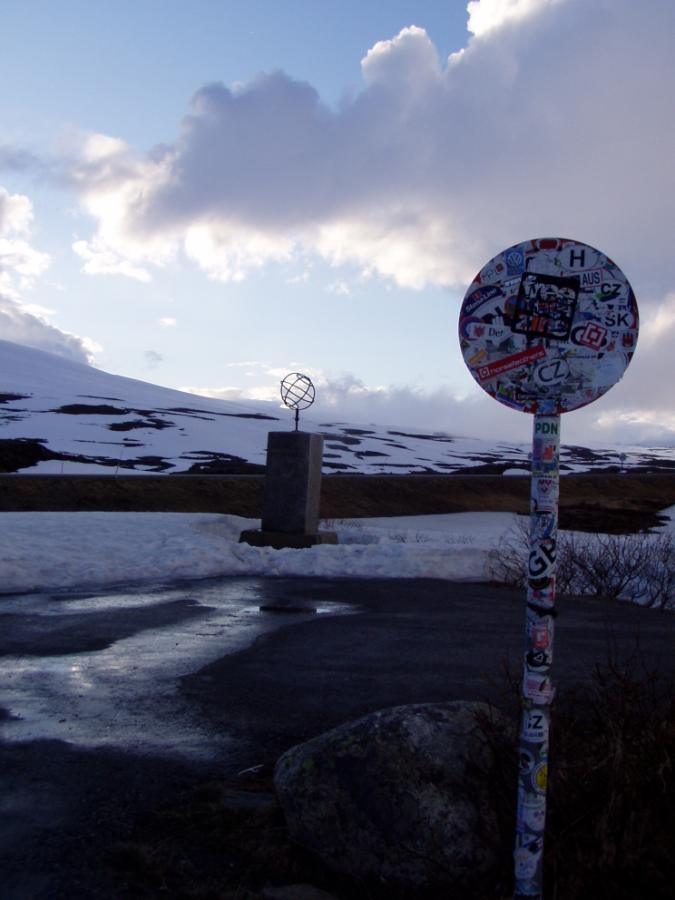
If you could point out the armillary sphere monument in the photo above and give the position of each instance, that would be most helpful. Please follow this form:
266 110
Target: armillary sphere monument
297 392
290 514
546 327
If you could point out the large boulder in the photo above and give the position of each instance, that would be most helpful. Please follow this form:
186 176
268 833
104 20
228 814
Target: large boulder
399 796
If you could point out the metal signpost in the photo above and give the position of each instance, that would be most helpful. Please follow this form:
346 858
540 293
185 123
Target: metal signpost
546 327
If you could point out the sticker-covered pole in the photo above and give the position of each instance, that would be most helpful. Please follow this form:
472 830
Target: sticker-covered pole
537 688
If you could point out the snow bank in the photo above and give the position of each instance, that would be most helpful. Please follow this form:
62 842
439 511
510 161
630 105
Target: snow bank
52 551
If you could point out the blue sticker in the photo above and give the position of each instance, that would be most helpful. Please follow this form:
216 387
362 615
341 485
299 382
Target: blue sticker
515 261
480 296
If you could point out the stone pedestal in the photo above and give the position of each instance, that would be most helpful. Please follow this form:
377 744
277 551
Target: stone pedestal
290 514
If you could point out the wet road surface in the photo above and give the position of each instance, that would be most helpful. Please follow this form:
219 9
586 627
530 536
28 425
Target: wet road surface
114 701
103 669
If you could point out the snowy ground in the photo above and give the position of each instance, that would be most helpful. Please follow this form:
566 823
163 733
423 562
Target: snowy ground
71 550
76 550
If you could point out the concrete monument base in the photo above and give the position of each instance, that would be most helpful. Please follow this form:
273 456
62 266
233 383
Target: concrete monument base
280 539
290 513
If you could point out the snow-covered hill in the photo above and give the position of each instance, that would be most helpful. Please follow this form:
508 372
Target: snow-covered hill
59 416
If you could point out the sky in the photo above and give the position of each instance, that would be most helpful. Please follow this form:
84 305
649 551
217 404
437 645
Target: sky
210 195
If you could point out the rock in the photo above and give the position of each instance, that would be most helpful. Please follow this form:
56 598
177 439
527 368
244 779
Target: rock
399 796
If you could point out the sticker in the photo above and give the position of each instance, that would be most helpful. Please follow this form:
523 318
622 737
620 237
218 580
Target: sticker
545 306
496 334
538 659
591 279
478 357
508 363
592 335
525 762
547 406
540 778
539 584
480 297
546 504
542 524
546 487
538 687
542 596
551 373
609 290
539 632
471 328
535 726
543 451
515 260
544 456
528 855
528 887
545 492
534 818
531 811
543 426
542 558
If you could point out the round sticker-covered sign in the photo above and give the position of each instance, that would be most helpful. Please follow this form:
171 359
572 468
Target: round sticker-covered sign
548 325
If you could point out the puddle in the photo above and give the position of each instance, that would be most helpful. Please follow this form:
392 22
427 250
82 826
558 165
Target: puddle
126 695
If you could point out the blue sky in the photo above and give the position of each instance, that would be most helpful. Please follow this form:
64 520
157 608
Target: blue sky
143 60
206 195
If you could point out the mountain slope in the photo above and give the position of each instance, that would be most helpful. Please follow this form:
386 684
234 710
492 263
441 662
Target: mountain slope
59 416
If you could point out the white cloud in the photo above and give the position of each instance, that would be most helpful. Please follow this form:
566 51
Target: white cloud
20 265
554 119
265 392
226 252
20 262
23 326
255 365
659 329
640 407
487 15
403 67
101 259
16 212
168 322
113 183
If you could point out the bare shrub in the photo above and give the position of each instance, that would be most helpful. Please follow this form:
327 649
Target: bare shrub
507 562
611 803
637 567
659 581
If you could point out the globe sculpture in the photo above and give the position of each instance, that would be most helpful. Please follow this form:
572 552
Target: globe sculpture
297 392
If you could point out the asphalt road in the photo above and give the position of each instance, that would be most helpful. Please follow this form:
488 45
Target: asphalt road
114 701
